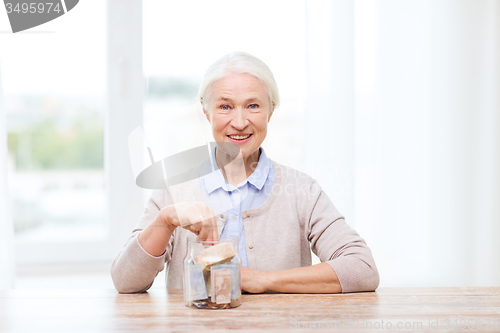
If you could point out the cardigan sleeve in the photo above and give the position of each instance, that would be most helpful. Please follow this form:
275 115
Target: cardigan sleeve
339 245
133 270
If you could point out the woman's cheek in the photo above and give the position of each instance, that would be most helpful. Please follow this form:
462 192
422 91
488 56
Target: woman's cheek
218 130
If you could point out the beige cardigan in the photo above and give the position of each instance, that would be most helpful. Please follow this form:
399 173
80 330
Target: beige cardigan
296 217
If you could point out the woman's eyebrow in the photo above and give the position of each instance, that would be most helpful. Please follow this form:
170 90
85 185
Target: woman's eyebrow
225 99
228 99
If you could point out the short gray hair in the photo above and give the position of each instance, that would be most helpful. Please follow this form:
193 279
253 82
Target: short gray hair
239 62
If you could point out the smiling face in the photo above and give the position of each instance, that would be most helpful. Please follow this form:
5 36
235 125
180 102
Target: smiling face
239 110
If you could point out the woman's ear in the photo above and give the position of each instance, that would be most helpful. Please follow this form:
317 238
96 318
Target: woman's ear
205 107
270 114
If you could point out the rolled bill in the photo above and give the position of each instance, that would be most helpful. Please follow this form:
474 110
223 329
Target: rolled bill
222 252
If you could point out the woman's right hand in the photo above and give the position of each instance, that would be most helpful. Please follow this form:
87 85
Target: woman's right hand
198 217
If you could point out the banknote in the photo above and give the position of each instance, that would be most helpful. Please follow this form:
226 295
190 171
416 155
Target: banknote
195 283
235 278
219 253
221 284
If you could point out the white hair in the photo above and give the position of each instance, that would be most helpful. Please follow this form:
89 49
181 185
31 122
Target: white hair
239 62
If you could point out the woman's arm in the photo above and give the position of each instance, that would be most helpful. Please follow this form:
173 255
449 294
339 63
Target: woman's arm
146 251
134 269
199 218
347 262
316 279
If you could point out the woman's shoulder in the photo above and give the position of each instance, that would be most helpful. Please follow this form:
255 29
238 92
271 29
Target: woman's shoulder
291 177
294 191
287 173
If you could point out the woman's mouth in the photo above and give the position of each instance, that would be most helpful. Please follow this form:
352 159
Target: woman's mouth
239 138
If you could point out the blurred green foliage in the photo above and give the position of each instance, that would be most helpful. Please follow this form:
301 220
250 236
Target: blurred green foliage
166 86
66 132
43 146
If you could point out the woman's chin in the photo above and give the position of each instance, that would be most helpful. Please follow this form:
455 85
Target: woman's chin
230 148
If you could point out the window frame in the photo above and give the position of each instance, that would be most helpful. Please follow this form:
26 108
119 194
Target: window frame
123 113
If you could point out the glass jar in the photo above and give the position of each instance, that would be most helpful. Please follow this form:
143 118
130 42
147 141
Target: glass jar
212 274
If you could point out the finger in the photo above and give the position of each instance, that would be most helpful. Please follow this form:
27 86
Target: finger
211 223
188 227
193 218
204 232
183 214
195 227
213 233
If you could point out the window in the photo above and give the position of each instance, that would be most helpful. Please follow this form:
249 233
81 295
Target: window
60 140
183 38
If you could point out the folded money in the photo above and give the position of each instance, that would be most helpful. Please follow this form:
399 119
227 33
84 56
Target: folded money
221 285
220 253
195 288
235 278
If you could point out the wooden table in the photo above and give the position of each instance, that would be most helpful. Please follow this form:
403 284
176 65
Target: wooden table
410 309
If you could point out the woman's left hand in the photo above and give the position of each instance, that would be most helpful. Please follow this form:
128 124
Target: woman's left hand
253 280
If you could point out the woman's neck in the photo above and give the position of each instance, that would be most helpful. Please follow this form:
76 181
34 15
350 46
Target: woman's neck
238 169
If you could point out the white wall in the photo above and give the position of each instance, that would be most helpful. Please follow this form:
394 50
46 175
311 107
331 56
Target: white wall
329 116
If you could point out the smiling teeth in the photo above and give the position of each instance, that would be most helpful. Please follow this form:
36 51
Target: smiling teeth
239 137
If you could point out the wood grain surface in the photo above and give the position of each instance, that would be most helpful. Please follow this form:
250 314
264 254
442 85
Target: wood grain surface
404 309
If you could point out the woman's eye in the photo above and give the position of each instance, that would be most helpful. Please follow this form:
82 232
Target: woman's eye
253 106
224 107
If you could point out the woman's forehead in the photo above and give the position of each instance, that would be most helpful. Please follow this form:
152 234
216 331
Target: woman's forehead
237 86
247 98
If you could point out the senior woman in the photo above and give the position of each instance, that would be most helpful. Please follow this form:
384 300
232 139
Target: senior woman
278 213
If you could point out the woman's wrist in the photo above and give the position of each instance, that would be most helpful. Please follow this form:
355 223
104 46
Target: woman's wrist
155 238
269 280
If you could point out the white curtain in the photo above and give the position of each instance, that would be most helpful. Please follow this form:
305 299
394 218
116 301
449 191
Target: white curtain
330 99
6 230
417 139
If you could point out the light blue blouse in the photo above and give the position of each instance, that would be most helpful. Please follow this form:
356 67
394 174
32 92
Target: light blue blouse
228 199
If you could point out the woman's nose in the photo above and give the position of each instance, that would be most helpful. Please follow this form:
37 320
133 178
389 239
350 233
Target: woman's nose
239 121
